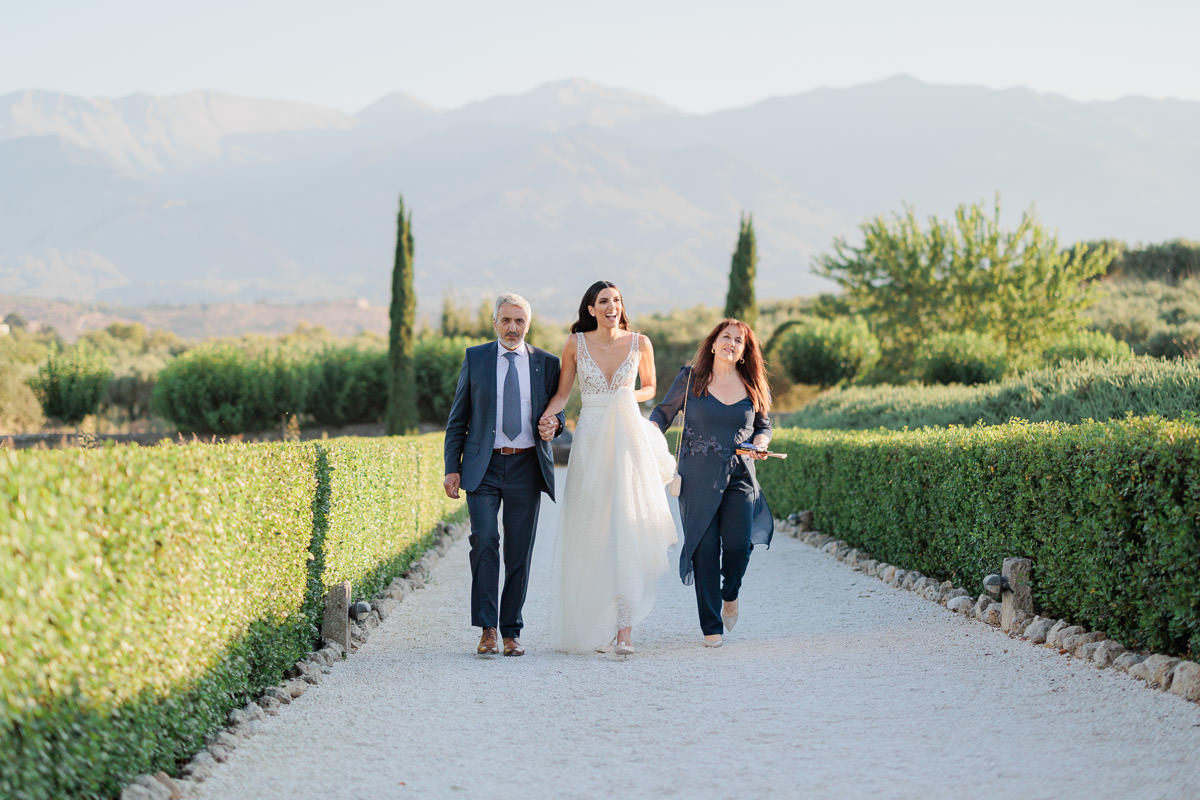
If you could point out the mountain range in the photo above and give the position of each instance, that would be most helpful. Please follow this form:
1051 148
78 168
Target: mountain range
206 197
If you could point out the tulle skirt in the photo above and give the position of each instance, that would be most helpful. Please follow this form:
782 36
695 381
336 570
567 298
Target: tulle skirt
616 524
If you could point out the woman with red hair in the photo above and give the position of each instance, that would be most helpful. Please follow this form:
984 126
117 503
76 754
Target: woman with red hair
722 506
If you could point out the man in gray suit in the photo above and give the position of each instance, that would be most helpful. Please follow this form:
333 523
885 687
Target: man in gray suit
498 455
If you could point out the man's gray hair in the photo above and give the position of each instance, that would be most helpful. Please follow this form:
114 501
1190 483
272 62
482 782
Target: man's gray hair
513 299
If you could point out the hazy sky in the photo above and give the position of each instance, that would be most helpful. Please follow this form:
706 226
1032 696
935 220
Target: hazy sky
695 55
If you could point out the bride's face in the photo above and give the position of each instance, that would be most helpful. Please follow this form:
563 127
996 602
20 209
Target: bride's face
607 308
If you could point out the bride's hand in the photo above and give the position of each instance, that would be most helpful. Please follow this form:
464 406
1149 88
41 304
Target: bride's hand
547 427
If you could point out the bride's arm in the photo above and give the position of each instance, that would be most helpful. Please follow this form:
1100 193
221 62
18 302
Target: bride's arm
646 371
566 379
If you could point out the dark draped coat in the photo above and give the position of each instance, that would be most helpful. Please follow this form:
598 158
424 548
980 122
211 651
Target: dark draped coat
711 431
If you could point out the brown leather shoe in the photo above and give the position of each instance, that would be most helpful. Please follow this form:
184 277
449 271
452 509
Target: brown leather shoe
512 646
487 642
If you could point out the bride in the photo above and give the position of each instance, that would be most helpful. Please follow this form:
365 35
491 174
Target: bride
616 524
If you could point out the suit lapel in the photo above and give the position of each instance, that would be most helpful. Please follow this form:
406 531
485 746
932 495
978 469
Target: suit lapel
489 375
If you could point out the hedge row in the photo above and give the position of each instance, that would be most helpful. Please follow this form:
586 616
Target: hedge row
1109 512
144 592
1097 390
221 389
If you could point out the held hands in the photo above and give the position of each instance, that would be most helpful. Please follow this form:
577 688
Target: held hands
548 426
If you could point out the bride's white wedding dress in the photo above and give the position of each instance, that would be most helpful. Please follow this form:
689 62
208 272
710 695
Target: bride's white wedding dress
616 524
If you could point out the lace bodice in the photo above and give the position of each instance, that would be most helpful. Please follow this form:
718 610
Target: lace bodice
594 386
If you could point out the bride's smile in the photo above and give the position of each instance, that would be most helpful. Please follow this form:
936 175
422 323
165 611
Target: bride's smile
608 310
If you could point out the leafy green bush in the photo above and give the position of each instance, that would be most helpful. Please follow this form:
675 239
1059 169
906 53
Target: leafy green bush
144 592
204 391
385 499
1180 341
968 358
218 389
1152 317
19 407
1087 344
1077 391
436 364
347 386
70 385
826 352
1108 512
1171 262
276 387
132 393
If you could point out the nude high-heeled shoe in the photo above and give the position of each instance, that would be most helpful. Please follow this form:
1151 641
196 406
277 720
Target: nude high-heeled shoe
729 613
713 640
624 647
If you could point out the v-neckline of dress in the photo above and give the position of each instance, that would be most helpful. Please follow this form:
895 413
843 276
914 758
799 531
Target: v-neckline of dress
608 382
727 405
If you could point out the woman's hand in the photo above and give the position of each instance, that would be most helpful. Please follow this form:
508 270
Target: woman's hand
548 426
761 443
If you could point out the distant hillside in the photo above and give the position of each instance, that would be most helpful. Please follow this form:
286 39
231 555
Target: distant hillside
212 198
200 321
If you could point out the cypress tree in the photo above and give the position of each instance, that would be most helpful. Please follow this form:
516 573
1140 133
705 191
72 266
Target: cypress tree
739 301
402 396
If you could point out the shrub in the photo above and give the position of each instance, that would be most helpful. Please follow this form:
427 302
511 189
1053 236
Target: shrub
967 358
1171 261
1108 512
168 582
826 352
1150 315
1077 391
145 592
217 389
70 385
436 364
204 391
347 385
132 393
1182 341
1087 344
276 388
20 410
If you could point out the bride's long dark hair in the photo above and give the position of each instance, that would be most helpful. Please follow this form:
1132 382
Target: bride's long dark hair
586 321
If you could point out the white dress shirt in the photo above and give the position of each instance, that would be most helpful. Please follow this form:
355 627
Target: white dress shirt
521 365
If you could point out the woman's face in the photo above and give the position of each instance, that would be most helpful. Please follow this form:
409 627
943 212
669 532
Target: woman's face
607 308
730 344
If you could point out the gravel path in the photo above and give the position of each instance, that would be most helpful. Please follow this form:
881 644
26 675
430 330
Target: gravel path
833 685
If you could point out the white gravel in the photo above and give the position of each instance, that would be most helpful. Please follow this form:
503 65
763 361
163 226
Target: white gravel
833 686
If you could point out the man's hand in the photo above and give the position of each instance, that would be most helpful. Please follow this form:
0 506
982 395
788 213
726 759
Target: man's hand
451 483
548 427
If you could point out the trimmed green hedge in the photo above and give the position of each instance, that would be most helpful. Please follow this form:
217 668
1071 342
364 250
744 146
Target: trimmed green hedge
1109 512
1097 390
144 592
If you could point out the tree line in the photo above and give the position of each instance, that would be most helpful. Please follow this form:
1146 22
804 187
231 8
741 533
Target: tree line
958 300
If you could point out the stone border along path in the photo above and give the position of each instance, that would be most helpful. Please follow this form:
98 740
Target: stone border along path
833 685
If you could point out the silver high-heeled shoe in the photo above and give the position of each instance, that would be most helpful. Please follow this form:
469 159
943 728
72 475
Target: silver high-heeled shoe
624 649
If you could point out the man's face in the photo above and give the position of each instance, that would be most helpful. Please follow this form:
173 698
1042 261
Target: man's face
511 324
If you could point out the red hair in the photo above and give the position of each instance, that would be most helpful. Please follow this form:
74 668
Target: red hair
752 369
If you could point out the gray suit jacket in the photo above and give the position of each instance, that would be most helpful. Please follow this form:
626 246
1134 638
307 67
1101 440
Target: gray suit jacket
471 425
